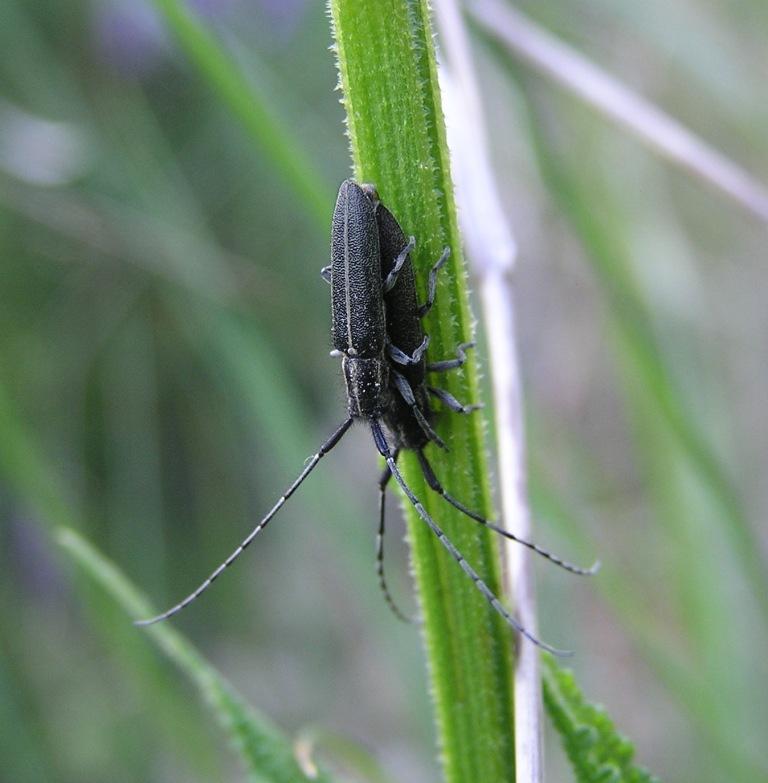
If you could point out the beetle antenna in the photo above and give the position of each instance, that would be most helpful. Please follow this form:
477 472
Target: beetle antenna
436 486
308 468
381 444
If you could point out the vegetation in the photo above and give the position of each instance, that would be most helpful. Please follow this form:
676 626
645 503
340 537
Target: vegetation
166 182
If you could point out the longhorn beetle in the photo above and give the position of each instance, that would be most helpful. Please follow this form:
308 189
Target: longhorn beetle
377 331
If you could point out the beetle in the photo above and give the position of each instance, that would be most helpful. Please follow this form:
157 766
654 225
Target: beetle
373 308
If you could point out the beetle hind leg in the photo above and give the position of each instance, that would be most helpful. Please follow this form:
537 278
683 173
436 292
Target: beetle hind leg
451 402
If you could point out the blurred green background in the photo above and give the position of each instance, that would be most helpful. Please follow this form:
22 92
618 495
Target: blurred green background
164 334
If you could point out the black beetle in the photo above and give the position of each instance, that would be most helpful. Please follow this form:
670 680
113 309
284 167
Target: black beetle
377 331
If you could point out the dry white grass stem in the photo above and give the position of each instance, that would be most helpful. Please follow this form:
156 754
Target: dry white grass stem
664 134
492 252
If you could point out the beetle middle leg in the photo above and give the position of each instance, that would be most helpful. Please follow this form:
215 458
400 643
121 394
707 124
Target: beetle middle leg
452 364
450 401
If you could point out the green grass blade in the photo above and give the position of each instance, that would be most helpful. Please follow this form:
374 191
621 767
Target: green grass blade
25 754
387 67
266 753
248 104
24 470
598 753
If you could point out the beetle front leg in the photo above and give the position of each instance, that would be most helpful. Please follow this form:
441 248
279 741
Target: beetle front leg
432 283
402 257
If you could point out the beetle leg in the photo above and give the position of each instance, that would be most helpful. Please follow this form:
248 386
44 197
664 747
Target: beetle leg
432 283
452 364
449 400
402 358
406 392
402 257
